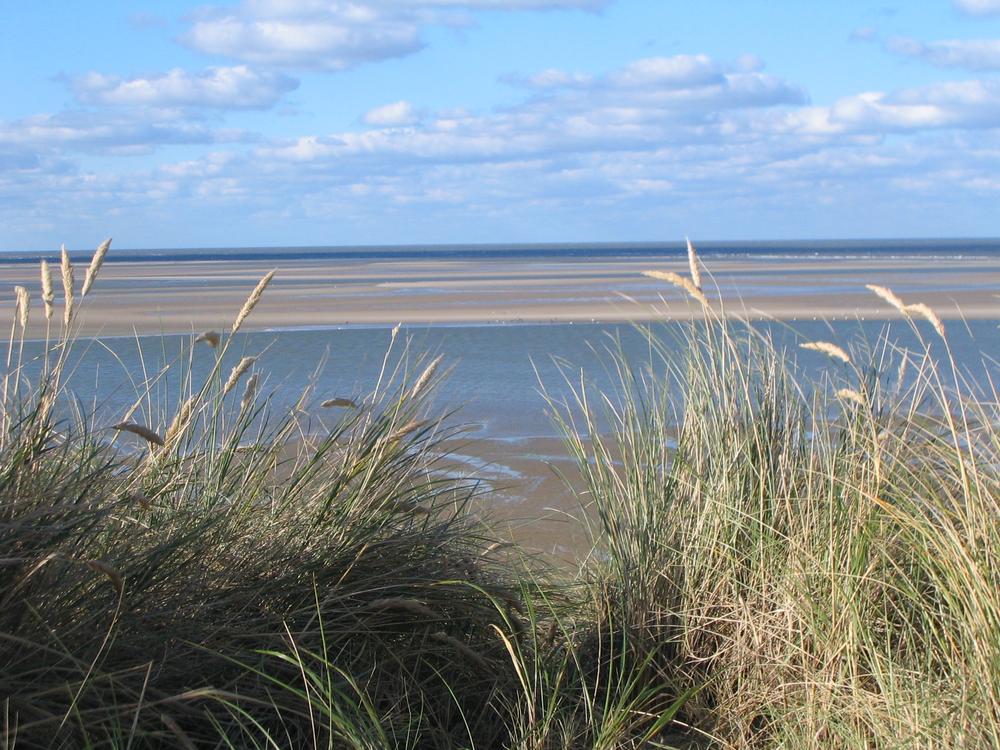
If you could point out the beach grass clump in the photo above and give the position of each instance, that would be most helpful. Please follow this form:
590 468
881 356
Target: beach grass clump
781 559
239 578
816 559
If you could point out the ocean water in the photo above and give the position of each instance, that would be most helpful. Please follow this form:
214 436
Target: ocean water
496 372
885 249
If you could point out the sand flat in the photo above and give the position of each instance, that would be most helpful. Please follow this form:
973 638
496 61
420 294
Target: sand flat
172 297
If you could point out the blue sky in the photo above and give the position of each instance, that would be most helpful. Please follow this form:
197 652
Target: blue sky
297 122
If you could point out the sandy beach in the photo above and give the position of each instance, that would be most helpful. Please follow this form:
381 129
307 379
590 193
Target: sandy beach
175 297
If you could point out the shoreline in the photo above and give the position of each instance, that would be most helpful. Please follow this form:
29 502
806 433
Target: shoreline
149 298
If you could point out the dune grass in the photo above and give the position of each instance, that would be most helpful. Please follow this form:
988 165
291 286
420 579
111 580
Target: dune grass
779 560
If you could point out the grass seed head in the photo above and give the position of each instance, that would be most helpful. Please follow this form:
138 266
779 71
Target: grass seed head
212 338
831 350
888 295
249 392
693 264
923 311
679 281
234 377
23 298
95 265
425 376
48 294
411 426
341 402
252 300
142 431
849 394
66 268
181 419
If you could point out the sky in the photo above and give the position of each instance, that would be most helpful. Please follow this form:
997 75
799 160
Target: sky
320 122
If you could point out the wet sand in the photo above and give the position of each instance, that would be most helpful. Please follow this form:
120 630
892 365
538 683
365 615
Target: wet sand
175 297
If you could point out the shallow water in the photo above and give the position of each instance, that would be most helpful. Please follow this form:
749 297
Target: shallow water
496 371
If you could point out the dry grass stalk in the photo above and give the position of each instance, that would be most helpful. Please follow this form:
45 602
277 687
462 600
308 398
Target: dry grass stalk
95 265
411 426
831 350
137 429
919 309
234 377
425 376
48 294
693 264
463 650
927 314
23 305
344 402
180 420
679 281
113 575
849 394
66 267
184 741
901 374
249 392
410 606
252 300
888 295
212 338
495 547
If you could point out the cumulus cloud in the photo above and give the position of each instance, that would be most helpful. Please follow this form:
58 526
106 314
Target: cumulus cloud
971 54
978 7
100 132
395 114
689 137
954 104
236 87
334 34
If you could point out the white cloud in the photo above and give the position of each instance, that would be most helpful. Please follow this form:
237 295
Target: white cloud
970 104
687 137
225 88
971 54
100 132
334 34
391 115
978 7
337 42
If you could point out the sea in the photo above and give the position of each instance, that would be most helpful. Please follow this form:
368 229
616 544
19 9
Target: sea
498 375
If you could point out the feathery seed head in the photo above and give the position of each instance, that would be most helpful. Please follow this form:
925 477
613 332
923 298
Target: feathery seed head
679 281
23 303
212 338
831 350
426 376
888 295
95 265
137 429
345 402
849 394
923 311
411 426
66 267
48 294
249 392
237 373
252 300
693 264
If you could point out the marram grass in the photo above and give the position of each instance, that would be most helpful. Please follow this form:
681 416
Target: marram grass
778 561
